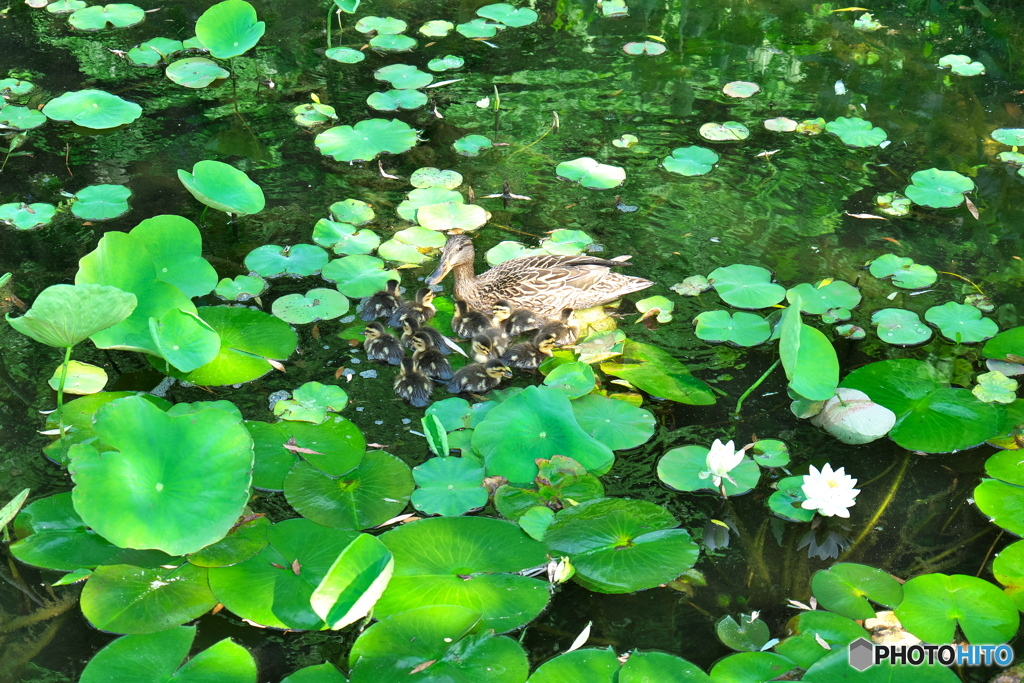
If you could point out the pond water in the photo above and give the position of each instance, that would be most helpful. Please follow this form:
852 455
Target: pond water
802 206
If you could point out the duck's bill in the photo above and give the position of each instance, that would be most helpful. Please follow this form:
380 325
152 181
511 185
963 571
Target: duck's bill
438 274
506 373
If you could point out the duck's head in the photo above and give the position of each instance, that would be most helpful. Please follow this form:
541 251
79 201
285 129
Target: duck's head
409 325
497 370
482 346
408 366
373 331
424 295
545 342
421 341
501 310
457 251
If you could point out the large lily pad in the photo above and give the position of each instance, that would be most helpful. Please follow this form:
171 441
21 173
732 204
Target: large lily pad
582 666
229 28
176 247
314 305
366 139
335 446
730 131
614 423
591 174
427 196
658 373
846 588
740 328
98 17
961 323
506 14
690 161
195 72
359 275
901 327
298 260
744 286
92 109
808 357
101 202
154 493
452 216
222 186
934 605
403 76
184 339
938 189
393 100
621 546
961 65
856 132
390 42
65 315
449 487
21 118
465 561
818 298
381 25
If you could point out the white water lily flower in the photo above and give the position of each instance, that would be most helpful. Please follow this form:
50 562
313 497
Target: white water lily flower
722 459
829 492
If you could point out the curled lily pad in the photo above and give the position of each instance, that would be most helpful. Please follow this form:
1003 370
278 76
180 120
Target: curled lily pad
656 306
446 63
691 286
961 65
21 118
359 275
195 72
730 131
741 89
471 145
82 378
856 132
591 174
403 76
311 403
781 125
448 487
229 28
818 298
184 339
893 204
938 189
314 305
852 417
994 387
314 114
97 18
299 260
27 216
344 238
903 271
900 327
387 42
382 25
690 161
479 28
508 15
745 286
240 288
740 328
850 331
162 655
154 50
961 323
366 140
65 315
435 177
345 55
92 109
101 202
647 47
437 28
393 100
626 141
223 187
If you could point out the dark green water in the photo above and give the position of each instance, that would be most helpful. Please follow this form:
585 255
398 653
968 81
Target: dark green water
787 211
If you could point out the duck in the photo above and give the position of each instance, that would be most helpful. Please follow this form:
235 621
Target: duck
383 304
412 385
545 284
410 327
515 321
428 359
482 348
466 322
380 345
421 310
566 333
479 377
529 355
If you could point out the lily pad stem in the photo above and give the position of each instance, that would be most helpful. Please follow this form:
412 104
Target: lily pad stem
755 385
330 10
60 392
880 510
554 127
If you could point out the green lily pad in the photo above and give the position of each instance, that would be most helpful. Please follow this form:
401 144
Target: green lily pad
184 340
366 140
938 189
471 145
752 666
893 204
392 43
101 202
446 63
465 561
835 666
222 186
811 126
311 402
506 14
456 413
452 216
1014 158
994 387
372 493
900 327
437 28
195 72
845 589
314 305
818 298
92 109
866 22
931 416
382 25
616 424
335 446
808 356
655 371
299 260
770 453
21 118
787 501
176 247
359 275
1006 345
448 487
851 332
730 131
352 211
429 176
353 583
65 315
561 482
904 272
403 76
564 242
317 673
161 655
961 65
411 245
478 28
749 634
642 667
626 141
934 605
345 55
536 423
344 238
574 379
620 546
813 632
856 132
505 251
393 100
229 28
1002 503
961 323
744 286
446 641
421 197
591 174
680 469
154 495
97 18
65 6
647 47
82 378
740 328
1008 568
536 520
781 124
690 161
1009 136
16 87
27 216
741 89
245 539
154 50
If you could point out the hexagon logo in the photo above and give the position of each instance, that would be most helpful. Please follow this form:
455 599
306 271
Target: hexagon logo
862 654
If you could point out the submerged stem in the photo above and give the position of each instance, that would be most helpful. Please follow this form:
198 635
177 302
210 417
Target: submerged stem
881 508
755 385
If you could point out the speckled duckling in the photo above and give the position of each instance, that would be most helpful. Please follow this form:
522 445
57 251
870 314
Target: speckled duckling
380 345
566 333
466 322
516 321
482 348
412 385
421 310
383 304
410 327
528 355
479 377
428 359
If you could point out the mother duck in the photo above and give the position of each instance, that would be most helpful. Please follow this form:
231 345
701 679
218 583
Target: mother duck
546 284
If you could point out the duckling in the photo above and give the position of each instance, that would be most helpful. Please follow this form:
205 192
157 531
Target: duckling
528 355
431 361
478 377
422 309
482 348
383 304
412 385
410 327
515 320
380 345
566 333
466 322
